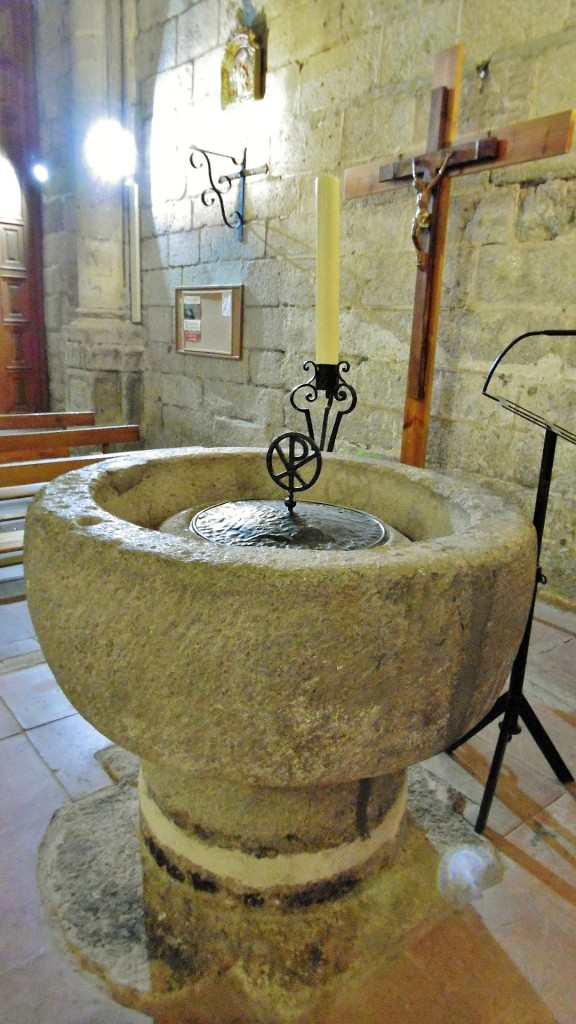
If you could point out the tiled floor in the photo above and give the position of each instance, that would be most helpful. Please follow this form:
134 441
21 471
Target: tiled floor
45 760
509 958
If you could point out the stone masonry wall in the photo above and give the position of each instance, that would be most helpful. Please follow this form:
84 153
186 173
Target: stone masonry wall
94 350
347 82
54 62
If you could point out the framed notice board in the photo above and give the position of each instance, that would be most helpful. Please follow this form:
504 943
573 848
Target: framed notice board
209 321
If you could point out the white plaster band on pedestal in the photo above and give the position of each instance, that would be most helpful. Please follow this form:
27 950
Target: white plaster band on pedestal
249 872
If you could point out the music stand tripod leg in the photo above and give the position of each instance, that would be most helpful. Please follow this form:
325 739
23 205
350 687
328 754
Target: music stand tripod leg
508 728
532 723
515 703
543 741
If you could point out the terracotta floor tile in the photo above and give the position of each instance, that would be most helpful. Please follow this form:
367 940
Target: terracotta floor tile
25 659
521 790
33 696
565 620
458 772
523 750
546 637
8 724
15 624
562 700
68 747
483 984
29 792
549 840
454 974
22 934
16 648
555 671
532 915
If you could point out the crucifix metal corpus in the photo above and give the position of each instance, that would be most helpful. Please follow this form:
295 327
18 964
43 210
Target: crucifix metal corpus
430 174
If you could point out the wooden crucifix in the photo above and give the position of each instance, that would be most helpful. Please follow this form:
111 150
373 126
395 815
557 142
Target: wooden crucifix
429 174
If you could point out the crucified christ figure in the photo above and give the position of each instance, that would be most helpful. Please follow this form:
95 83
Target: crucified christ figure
423 214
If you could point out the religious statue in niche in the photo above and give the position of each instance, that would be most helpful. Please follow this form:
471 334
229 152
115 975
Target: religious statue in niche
242 77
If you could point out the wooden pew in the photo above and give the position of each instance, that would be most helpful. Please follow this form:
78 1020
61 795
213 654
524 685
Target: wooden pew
46 420
36 448
21 479
21 445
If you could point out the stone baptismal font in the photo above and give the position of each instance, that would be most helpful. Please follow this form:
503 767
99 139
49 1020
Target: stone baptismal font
274 694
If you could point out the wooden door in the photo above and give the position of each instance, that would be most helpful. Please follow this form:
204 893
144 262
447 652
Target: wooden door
23 375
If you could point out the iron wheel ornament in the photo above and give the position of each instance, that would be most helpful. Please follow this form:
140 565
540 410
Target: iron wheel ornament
294 462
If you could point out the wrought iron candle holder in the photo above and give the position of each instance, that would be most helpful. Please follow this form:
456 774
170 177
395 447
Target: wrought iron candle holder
294 459
294 462
220 186
327 377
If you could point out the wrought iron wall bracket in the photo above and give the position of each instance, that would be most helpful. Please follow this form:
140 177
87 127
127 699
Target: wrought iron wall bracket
220 187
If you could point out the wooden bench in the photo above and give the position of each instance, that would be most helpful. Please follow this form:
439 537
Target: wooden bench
36 448
26 445
46 420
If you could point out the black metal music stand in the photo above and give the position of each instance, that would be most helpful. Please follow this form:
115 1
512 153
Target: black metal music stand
513 704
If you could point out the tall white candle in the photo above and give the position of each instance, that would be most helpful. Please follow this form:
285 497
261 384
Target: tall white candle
327 268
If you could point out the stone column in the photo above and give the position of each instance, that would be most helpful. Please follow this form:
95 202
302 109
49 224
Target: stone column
272 878
103 349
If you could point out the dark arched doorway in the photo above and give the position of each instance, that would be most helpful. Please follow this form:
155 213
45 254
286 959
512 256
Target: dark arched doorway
23 373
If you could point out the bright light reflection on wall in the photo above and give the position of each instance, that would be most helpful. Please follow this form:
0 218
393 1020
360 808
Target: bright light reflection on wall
168 153
110 151
180 121
40 172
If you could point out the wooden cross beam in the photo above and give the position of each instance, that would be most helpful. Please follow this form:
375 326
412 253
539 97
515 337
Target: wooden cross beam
430 173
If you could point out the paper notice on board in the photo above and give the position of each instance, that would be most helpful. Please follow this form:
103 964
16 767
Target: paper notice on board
226 303
192 320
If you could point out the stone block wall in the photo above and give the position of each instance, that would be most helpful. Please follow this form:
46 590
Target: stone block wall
347 82
54 63
95 352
